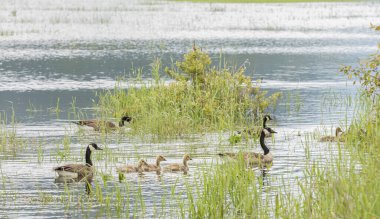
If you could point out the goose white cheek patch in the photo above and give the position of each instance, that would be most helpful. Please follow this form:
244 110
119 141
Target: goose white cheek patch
91 147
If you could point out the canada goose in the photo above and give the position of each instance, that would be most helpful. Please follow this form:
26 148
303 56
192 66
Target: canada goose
252 157
179 167
338 136
98 124
132 168
79 170
155 167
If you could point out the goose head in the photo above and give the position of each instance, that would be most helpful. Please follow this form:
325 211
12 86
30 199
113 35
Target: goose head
265 119
93 147
338 132
125 119
160 158
186 157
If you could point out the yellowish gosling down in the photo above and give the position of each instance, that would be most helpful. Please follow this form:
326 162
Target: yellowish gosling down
338 136
179 167
132 168
155 167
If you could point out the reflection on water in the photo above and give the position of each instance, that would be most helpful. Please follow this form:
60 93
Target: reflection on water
81 47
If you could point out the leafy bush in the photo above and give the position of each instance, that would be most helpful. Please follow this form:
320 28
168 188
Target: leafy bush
367 72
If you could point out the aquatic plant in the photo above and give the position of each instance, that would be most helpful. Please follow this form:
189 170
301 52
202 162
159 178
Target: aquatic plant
202 98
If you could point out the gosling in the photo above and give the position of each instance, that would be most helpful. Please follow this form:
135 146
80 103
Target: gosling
338 136
132 168
155 167
179 167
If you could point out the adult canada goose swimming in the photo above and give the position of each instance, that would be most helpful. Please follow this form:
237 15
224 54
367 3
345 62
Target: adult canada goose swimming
339 136
252 157
155 167
179 167
79 170
98 124
132 168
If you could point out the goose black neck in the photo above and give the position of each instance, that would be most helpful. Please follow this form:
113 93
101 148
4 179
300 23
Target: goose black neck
88 157
262 143
265 122
121 123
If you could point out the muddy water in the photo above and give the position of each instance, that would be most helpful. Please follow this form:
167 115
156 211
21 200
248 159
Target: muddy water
63 52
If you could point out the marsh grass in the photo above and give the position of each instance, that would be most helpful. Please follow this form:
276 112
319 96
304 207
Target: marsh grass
201 99
10 142
227 190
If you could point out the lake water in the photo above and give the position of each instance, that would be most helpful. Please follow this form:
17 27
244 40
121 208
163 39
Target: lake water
63 52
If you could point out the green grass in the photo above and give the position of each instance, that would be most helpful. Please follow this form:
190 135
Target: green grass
202 99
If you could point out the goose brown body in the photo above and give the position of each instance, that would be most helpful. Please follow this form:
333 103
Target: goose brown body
98 124
179 167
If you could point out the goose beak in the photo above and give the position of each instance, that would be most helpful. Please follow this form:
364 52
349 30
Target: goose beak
99 149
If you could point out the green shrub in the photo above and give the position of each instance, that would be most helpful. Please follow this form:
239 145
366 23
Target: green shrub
201 99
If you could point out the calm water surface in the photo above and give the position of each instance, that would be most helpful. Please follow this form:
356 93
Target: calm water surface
63 52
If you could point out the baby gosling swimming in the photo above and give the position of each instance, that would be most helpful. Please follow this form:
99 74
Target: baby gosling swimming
98 124
179 167
132 168
155 167
253 157
79 170
338 136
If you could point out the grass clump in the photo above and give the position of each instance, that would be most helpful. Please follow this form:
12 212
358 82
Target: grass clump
202 98
229 191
